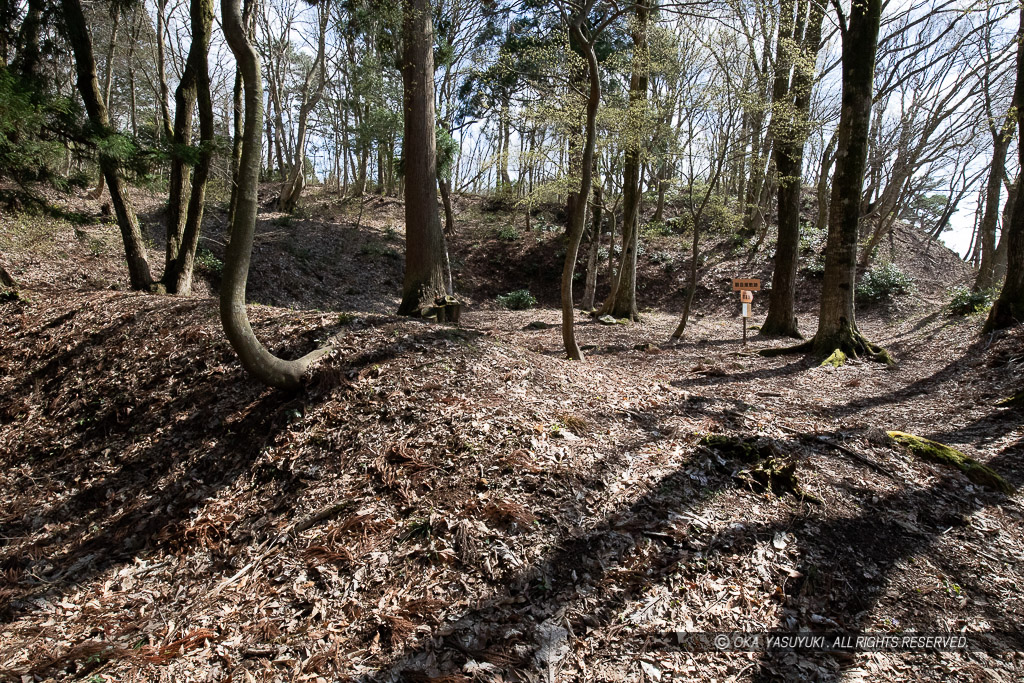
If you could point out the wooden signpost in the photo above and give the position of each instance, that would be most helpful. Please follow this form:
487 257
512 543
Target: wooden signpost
746 287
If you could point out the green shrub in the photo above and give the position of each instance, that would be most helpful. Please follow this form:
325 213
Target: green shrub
377 249
208 262
814 267
519 300
884 281
964 301
811 239
663 257
656 229
508 233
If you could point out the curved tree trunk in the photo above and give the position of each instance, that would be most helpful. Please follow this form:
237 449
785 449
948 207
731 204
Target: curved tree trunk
88 85
427 276
255 358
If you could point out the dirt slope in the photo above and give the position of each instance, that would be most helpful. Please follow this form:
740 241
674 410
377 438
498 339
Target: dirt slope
461 504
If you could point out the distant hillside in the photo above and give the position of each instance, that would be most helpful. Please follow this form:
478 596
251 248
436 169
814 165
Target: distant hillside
335 255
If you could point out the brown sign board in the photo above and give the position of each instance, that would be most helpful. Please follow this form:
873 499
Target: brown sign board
748 310
746 296
749 284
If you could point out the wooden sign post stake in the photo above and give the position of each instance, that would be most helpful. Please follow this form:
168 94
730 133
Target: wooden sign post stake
746 287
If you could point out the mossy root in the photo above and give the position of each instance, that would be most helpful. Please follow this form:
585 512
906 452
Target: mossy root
933 451
1015 400
837 359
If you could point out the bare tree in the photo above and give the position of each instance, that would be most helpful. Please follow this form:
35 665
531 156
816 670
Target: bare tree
312 91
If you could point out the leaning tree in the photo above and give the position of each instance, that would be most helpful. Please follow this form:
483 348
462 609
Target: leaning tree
112 146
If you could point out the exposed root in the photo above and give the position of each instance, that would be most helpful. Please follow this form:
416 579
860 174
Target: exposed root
837 348
766 470
933 451
837 359
1013 401
805 347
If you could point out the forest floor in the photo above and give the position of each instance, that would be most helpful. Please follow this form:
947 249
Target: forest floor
460 503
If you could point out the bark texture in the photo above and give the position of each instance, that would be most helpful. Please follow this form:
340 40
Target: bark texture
427 275
578 216
837 323
621 302
185 215
792 100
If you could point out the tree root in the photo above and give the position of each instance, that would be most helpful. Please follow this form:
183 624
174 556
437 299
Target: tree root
9 287
1015 400
836 349
933 451
804 347
765 470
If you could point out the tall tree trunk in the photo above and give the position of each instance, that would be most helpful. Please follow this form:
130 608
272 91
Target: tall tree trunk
133 115
115 17
255 357
446 201
26 61
181 143
161 69
662 177
1009 307
579 212
827 158
236 136
837 323
787 149
1001 138
621 302
237 122
595 245
178 273
427 276
1011 198
89 87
